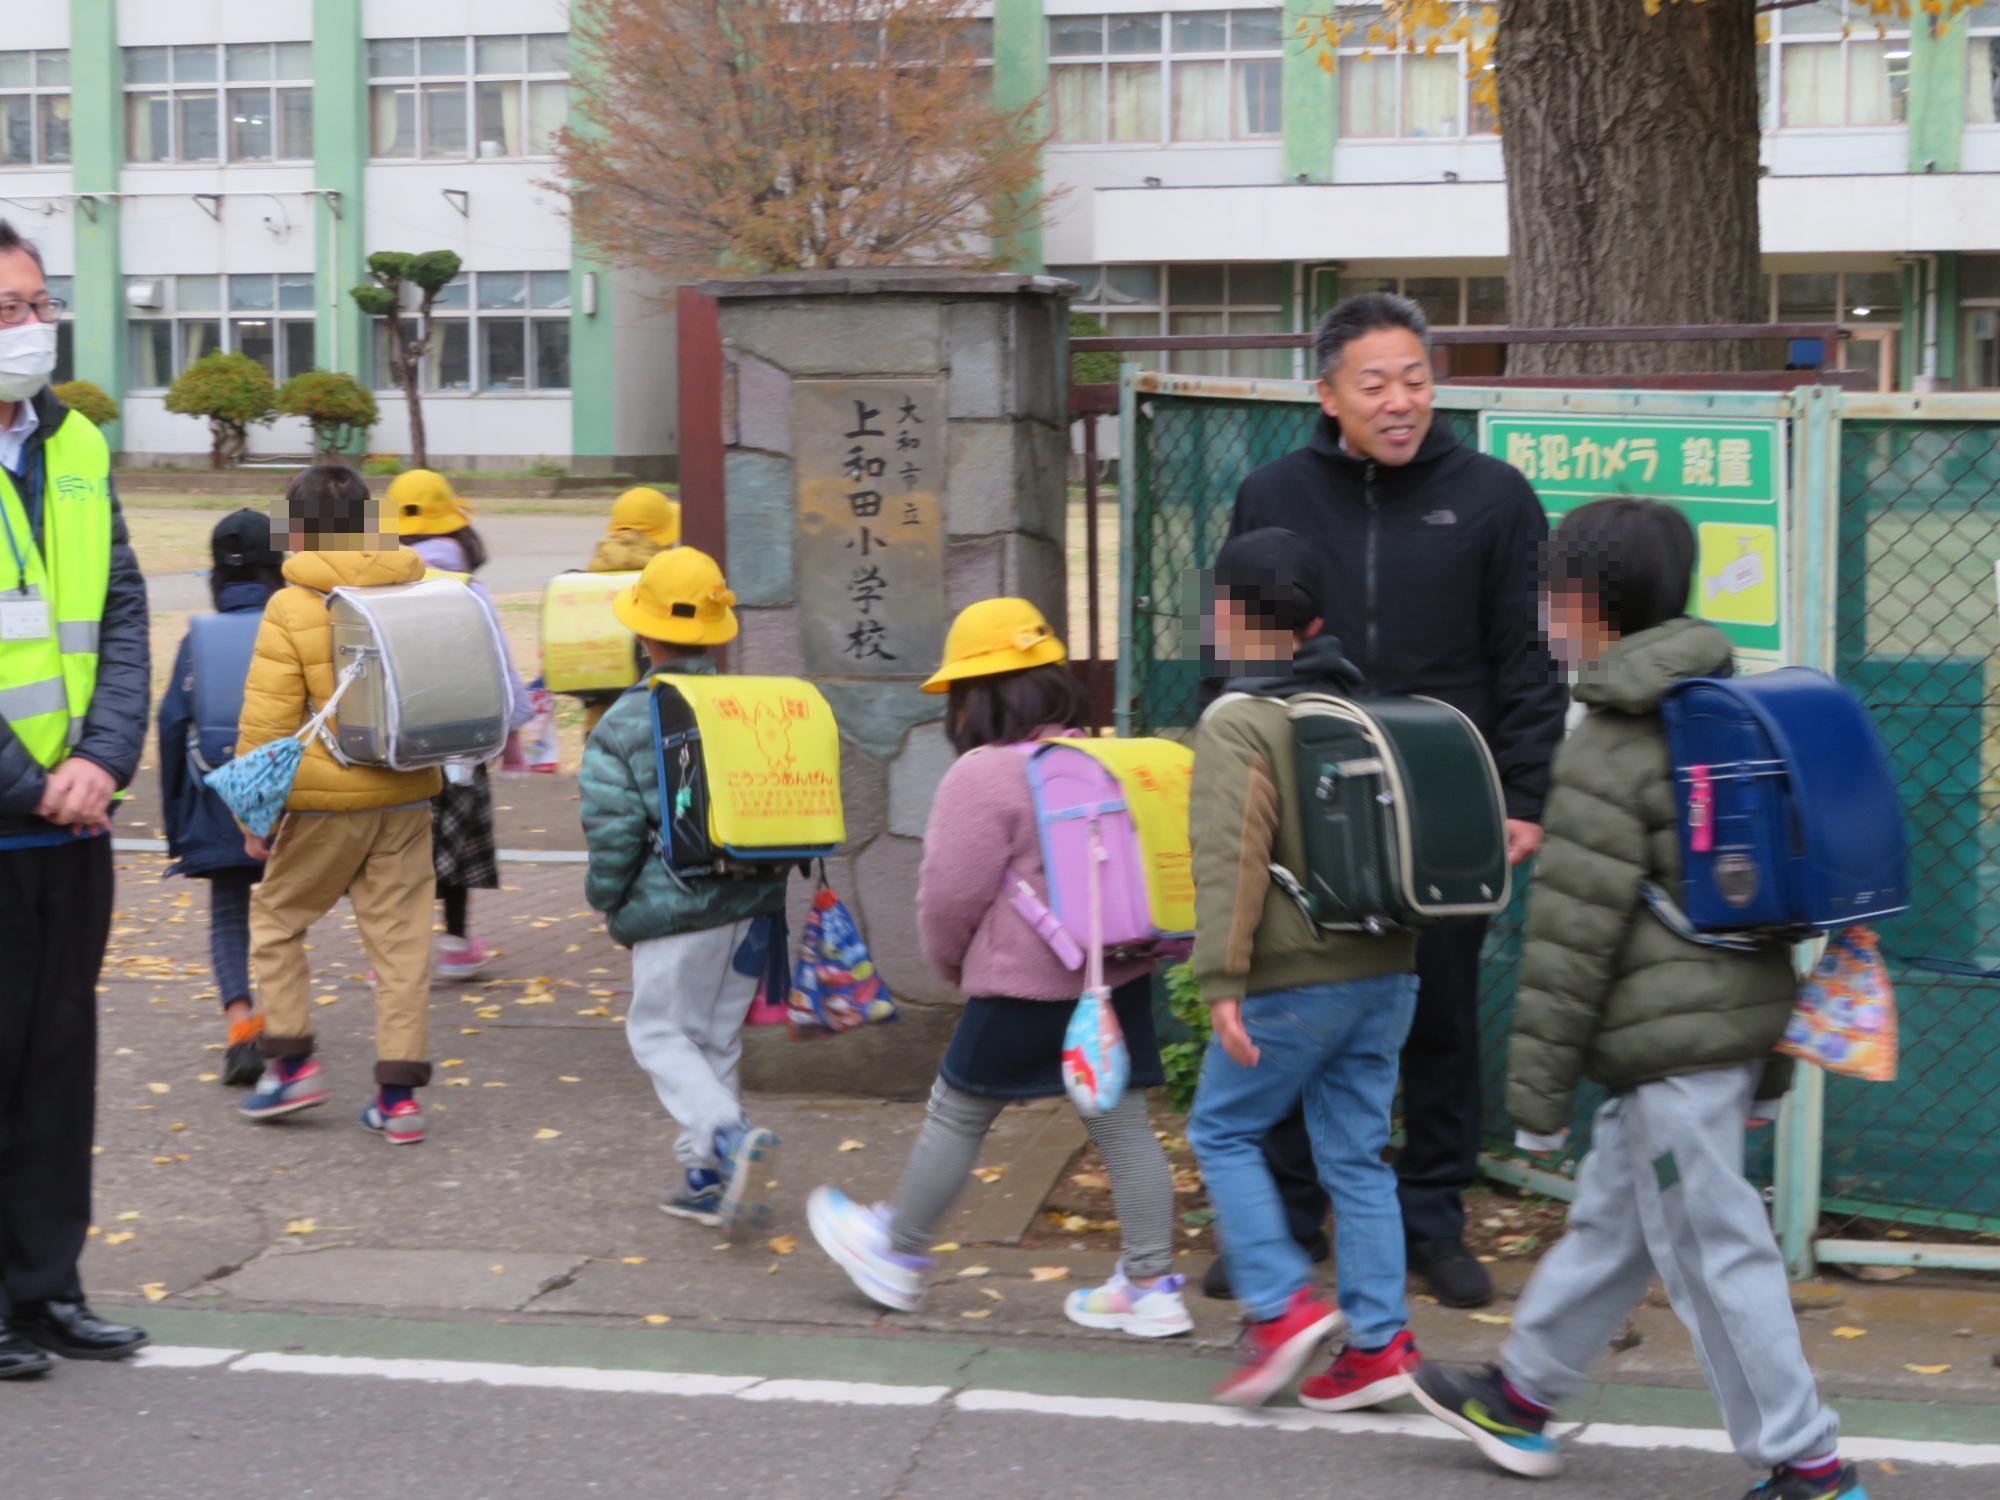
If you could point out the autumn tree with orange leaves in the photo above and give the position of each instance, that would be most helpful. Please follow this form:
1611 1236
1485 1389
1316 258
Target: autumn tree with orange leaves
1631 136
744 136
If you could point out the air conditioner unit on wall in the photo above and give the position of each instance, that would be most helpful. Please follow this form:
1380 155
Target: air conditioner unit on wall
146 295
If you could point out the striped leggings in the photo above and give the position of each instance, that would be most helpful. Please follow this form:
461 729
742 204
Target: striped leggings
229 932
956 1123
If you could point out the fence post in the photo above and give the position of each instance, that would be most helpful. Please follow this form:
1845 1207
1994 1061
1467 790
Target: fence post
1814 594
1130 468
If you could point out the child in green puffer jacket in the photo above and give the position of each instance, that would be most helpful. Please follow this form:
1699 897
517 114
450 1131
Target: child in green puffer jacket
1681 1034
689 999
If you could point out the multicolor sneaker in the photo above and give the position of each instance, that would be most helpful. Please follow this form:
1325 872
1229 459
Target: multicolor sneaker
1357 1380
1147 1312
1785 1485
857 1239
1475 1403
745 1158
699 1199
1272 1353
462 960
401 1123
285 1092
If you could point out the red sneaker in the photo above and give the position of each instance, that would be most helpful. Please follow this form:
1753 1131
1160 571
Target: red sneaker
1357 1380
1275 1352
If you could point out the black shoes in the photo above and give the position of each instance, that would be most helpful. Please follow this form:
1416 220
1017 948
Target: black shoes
1215 1280
1455 1278
19 1358
75 1332
242 1065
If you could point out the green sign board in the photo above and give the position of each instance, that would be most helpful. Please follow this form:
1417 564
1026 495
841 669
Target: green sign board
1726 476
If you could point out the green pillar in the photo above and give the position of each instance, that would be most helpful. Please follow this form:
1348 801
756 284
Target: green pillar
1937 91
1947 321
1020 77
593 433
1910 345
340 155
1310 111
97 115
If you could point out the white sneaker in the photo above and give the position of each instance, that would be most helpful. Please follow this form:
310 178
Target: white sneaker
857 1239
1150 1312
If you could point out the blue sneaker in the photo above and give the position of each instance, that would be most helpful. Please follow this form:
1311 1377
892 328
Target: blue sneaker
1475 1403
857 1239
1785 1485
699 1199
746 1157
277 1095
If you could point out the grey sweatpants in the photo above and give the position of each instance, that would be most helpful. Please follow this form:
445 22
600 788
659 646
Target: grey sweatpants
955 1125
685 1026
1663 1190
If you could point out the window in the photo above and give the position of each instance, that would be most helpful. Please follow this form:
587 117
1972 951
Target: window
494 331
240 103
175 320
455 96
34 108
1389 93
1982 64
1140 301
1204 75
1979 297
1447 301
1834 67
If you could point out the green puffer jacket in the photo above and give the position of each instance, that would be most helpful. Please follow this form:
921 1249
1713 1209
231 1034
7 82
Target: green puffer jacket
1607 993
621 816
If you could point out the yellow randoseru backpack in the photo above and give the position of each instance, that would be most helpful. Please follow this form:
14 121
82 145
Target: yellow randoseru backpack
584 648
749 773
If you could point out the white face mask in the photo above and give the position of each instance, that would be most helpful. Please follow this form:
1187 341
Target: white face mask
27 359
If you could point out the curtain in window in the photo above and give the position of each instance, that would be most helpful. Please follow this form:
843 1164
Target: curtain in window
17 130
1262 364
1079 102
1810 84
1201 101
548 112
1198 361
1259 87
1982 80
199 336
393 111
1876 82
499 119
148 131
200 124
1367 96
1135 101
295 119
1431 88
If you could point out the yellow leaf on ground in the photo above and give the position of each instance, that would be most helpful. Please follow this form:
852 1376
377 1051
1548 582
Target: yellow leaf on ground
1899 1234
632 1260
207 1077
1927 1369
546 1134
326 999
470 1031
784 1244
1850 1333
120 1237
978 1313
215 1047
574 948
96 1150
772 1269
853 1145
656 1318
121 1052
1075 1223
159 1088
492 1083
301 1226
971 1271
127 1218
989 1175
452 1062
566 1078
1049 1273
945 1249
156 1291
1499 1320
176 1128
458 1083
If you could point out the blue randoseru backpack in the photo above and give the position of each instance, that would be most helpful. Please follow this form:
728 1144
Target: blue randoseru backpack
1790 823
222 645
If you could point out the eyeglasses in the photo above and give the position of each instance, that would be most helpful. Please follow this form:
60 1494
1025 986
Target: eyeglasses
45 309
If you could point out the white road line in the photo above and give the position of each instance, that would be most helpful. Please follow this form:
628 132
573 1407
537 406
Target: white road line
995 1402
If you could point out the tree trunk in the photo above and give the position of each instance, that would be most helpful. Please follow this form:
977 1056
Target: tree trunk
1631 145
420 450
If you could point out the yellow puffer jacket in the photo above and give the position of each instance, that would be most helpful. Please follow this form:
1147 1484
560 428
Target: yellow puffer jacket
294 663
622 552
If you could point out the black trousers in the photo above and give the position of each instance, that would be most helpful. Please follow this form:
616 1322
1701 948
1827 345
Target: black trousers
1441 1102
55 918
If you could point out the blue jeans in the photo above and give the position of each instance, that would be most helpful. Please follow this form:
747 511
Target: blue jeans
1334 1046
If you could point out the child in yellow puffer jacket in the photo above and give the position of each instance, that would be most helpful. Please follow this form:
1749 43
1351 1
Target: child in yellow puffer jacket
644 522
363 832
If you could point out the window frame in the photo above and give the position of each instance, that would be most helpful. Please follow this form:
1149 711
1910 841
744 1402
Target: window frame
422 85
1855 29
226 318
1165 58
1163 308
463 312
1351 50
222 90
1990 34
37 94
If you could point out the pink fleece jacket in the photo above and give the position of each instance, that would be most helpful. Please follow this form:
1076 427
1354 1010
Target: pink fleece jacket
982 825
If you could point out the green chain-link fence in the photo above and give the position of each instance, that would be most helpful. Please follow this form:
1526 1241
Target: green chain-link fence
1917 623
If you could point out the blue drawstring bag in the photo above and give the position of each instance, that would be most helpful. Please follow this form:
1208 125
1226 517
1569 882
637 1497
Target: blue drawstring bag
255 786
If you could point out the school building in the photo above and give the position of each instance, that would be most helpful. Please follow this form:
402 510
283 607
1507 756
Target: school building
213 174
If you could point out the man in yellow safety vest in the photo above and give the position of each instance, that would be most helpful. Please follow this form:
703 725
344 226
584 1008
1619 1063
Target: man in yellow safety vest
75 681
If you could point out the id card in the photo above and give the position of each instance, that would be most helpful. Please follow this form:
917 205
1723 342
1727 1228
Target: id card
24 617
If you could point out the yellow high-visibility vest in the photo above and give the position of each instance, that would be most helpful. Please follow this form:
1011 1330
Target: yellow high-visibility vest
46 684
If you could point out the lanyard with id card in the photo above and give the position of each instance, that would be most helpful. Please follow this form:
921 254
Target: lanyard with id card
24 612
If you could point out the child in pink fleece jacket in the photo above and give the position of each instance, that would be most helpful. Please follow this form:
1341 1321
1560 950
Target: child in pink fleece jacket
1009 686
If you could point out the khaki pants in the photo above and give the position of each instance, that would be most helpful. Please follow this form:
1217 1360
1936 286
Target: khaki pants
381 861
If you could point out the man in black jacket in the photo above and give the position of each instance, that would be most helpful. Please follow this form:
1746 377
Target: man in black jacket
75 683
1432 551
